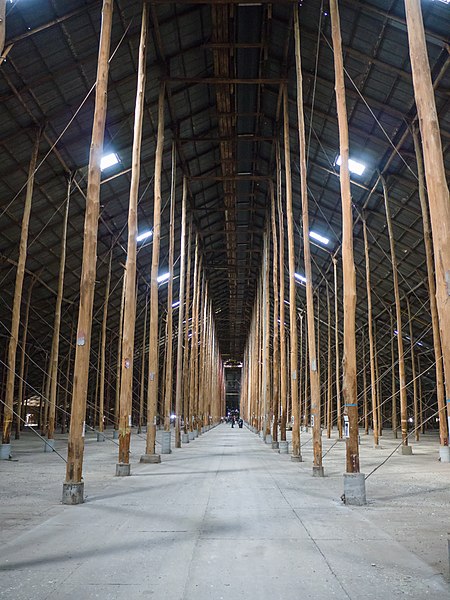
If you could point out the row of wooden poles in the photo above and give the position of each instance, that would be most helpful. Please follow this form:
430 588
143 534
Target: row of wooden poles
269 378
199 381
437 201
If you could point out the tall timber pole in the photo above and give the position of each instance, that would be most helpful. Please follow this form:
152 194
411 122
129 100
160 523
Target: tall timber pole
168 387
336 351
443 432
296 455
354 481
150 455
405 448
50 443
276 326
438 192
73 487
5 448
314 370
129 310
179 368
101 402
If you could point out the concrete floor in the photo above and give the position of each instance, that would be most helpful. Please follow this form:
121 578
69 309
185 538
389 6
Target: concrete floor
224 518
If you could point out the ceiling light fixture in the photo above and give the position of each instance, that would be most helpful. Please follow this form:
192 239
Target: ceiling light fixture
353 165
109 160
319 238
144 235
300 278
163 278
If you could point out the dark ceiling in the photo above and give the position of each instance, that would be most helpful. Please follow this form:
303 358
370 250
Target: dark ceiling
224 66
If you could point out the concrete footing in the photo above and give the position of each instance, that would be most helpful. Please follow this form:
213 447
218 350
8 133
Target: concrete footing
406 450
5 451
283 447
444 453
115 434
73 493
101 436
268 439
318 471
297 458
123 469
191 436
185 438
195 433
150 458
354 489
165 442
49 446
275 445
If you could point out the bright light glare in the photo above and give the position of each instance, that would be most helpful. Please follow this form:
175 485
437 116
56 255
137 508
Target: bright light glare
319 238
353 166
144 235
163 278
176 304
300 278
109 160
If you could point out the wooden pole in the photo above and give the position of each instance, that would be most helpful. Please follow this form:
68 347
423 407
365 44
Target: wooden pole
276 311
438 192
101 404
314 370
373 385
329 370
296 455
153 358
169 339
5 447
65 407
119 359
22 386
188 312
443 433
129 311
414 373
265 342
393 386
364 371
336 352
398 311
179 381
348 265
142 381
73 490
283 365
56 330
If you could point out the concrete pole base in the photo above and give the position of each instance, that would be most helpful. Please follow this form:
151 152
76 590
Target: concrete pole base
268 439
165 442
191 436
318 471
275 445
444 453
123 469
406 450
100 437
115 434
150 458
283 447
49 446
354 489
297 458
73 493
195 434
185 438
5 451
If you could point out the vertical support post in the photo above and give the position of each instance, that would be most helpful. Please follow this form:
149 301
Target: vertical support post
437 187
179 381
101 403
329 370
275 339
153 358
393 386
142 382
129 311
49 445
354 482
296 455
283 366
188 311
443 431
405 449
414 373
336 351
373 383
119 359
73 488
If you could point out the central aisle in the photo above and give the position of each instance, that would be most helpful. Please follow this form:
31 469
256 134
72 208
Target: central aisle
225 518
